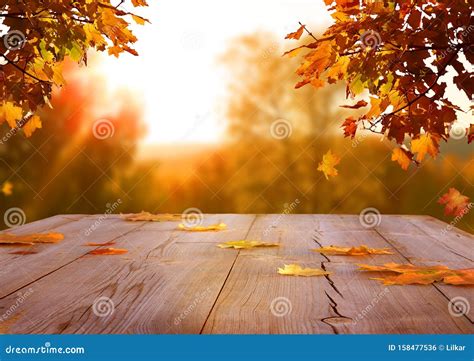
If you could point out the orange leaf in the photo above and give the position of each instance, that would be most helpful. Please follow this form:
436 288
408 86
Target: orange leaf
359 104
297 34
328 163
93 244
108 251
352 251
426 143
455 203
403 157
8 238
24 252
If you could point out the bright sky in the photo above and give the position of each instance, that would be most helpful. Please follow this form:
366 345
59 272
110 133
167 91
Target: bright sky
177 73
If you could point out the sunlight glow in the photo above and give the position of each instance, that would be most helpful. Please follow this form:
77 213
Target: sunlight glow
177 74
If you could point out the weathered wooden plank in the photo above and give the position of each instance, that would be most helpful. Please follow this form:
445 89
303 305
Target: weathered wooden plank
338 303
17 271
162 285
434 243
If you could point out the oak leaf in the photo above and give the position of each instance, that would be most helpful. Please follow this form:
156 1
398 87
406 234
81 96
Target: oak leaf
246 244
455 203
327 166
297 270
362 250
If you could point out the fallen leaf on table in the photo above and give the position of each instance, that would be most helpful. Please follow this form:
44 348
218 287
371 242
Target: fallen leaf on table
150 217
108 251
212 227
93 244
328 163
410 274
8 238
7 188
23 252
362 250
297 270
455 203
245 244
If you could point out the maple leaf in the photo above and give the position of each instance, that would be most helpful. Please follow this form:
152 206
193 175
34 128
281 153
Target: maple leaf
411 274
108 251
31 125
455 203
359 104
328 163
94 244
403 157
147 216
297 34
246 244
426 143
212 227
352 251
297 270
7 188
30 239
350 127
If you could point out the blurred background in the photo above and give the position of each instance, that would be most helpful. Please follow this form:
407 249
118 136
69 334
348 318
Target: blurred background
207 116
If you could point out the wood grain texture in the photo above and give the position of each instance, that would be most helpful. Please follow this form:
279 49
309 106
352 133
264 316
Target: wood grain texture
174 281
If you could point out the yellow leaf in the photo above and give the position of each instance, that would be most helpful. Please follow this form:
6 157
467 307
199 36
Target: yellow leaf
139 20
7 188
362 250
328 163
245 244
147 216
297 270
212 227
31 125
426 143
402 157
11 113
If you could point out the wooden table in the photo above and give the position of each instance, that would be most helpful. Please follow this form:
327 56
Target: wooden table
173 281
